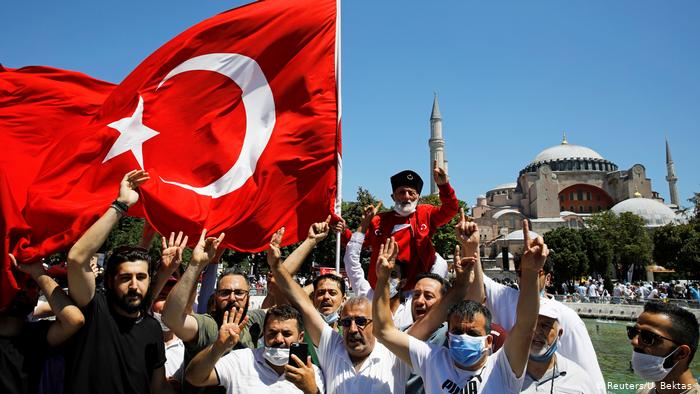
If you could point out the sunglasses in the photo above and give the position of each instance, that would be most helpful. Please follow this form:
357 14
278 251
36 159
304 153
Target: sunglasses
360 321
646 337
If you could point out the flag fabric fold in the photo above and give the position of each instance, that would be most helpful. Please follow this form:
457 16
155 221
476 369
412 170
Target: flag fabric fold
235 119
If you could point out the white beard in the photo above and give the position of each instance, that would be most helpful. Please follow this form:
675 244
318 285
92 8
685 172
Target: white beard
405 209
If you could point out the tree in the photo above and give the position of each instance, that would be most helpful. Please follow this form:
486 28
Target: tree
678 247
599 253
628 238
568 254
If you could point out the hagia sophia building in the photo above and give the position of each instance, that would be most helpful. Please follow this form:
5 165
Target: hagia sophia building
560 187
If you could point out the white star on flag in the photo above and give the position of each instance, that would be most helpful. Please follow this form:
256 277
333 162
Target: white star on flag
133 133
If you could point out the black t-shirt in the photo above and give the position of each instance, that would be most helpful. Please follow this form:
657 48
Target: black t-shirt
112 353
22 358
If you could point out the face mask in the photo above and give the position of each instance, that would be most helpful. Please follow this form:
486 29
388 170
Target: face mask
466 350
546 353
542 295
330 319
405 209
276 355
650 367
393 287
163 327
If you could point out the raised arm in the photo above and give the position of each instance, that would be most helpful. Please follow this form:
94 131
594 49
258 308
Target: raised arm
468 237
200 372
517 346
176 309
313 323
170 259
208 282
353 250
69 318
448 200
81 279
383 325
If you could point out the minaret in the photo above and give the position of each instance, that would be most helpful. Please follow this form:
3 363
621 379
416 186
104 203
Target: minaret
436 143
671 176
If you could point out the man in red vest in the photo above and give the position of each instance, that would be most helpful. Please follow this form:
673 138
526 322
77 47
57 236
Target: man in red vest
411 224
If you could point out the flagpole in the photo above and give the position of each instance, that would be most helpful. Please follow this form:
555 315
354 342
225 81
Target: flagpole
339 167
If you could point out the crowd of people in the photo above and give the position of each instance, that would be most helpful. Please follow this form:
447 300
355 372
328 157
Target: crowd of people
593 290
146 328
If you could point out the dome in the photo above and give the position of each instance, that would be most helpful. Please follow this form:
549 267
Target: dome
505 211
517 235
510 185
653 212
566 151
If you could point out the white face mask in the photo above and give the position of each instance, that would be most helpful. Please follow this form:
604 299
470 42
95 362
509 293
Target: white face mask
158 317
393 287
650 367
405 209
276 355
330 319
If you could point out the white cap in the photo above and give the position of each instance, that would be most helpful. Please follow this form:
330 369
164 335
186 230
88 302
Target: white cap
549 308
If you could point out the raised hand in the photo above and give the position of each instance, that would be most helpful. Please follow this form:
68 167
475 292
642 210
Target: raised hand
319 231
34 269
171 257
303 375
535 251
274 254
127 188
467 233
439 174
338 226
370 211
387 258
231 327
464 266
205 249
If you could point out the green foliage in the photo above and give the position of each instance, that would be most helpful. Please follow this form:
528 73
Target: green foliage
568 254
678 247
444 238
629 241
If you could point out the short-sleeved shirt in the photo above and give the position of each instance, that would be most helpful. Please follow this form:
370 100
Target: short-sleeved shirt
208 331
22 358
565 376
175 360
112 353
381 372
575 343
246 371
440 374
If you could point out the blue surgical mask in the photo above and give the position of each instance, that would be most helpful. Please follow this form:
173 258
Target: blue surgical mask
544 357
466 350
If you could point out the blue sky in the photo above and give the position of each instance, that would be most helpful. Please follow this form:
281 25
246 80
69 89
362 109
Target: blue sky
618 77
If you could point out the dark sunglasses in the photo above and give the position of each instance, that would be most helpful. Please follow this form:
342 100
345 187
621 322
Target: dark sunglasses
360 321
646 337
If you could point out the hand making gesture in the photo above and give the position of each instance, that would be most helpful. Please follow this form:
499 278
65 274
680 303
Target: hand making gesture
319 231
171 256
439 174
370 211
127 188
387 258
535 251
205 249
467 234
274 254
231 327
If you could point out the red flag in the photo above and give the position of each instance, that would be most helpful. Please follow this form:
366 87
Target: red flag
235 119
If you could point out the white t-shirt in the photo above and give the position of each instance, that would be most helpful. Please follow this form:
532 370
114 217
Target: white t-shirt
440 374
246 371
569 378
575 343
174 358
381 372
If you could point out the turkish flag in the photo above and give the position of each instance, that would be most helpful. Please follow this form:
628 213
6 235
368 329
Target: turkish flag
236 119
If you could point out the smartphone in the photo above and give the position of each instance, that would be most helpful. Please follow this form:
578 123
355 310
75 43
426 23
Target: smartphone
301 350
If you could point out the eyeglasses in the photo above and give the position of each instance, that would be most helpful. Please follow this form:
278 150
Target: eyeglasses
238 293
360 321
646 337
